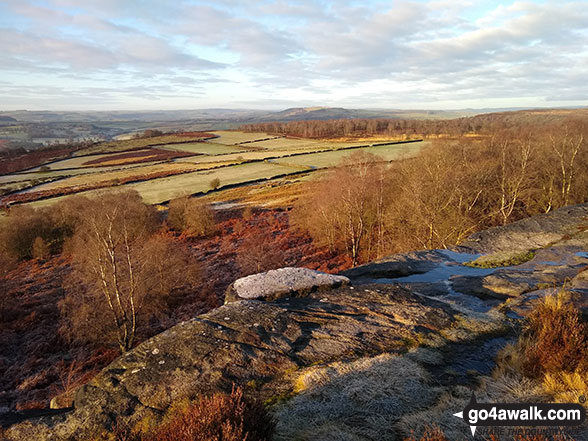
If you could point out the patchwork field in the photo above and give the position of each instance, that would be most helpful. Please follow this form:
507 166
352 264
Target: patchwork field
330 159
237 157
138 143
37 176
162 190
233 138
135 156
180 168
204 148
130 173
299 144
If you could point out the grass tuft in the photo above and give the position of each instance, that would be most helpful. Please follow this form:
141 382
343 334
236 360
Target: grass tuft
501 259
556 337
551 356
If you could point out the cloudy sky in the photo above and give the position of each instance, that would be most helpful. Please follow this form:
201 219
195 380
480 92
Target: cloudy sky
156 54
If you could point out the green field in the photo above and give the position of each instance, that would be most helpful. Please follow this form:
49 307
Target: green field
77 162
330 159
232 138
164 189
33 176
122 174
205 148
129 144
239 157
300 144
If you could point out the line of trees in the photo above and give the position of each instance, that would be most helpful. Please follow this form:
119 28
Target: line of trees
484 124
368 208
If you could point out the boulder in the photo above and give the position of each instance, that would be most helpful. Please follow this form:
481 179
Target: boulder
283 282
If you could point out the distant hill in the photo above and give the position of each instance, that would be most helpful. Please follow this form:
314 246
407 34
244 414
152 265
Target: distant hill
534 116
221 116
317 113
40 126
325 113
224 118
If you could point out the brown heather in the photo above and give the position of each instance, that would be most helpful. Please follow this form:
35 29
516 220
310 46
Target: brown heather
431 434
220 417
556 338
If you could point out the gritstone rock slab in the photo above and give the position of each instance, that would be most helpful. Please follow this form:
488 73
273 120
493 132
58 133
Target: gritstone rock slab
283 282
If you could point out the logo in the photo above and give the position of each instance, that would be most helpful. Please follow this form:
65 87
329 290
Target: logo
521 414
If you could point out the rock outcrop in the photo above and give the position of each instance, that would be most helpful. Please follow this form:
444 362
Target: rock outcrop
240 342
413 325
531 233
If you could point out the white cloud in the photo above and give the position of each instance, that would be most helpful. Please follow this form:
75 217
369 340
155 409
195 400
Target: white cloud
333 52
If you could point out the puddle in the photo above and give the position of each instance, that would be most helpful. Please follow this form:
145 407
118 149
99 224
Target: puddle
466 303
582 254
444 270
459 257
442 274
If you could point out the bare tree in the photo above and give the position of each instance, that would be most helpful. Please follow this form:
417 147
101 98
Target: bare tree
259 253
214 183
515 156
345 210
192 217
440 196
566 147
122 272
40 249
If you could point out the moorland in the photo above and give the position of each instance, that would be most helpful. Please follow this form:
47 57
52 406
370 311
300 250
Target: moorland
189 212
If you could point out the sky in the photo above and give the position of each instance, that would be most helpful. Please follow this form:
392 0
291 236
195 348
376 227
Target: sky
190 54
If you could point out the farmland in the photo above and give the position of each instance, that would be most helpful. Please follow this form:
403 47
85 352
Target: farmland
138 143
164 167
204 148
162 190
295 144
234 138
129 173
330 159
238 157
